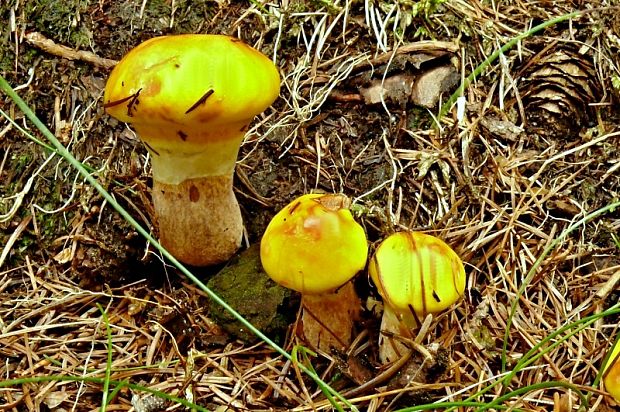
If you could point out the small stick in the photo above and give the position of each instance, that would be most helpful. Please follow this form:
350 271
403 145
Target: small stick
48 46
380 378
609 286
200 101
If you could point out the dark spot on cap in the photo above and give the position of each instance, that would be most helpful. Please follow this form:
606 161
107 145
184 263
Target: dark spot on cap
200 101
182 135
194 194
177 65
123 83
292 209
436 297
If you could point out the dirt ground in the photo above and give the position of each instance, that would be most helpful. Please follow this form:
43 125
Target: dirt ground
535 152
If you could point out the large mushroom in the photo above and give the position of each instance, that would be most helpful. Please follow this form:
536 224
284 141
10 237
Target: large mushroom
191 99
314 246
416 274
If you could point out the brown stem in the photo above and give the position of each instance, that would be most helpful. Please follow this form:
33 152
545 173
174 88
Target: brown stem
328 318
199 219
391 348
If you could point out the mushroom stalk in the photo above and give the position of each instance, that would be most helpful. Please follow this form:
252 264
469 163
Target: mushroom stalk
198 215
199 219
393 331
328 318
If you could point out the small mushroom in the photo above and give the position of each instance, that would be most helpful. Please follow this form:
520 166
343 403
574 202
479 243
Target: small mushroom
416 274
314 246
611 373
191 99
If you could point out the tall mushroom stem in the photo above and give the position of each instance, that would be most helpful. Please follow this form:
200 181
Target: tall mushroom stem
199 219
197 213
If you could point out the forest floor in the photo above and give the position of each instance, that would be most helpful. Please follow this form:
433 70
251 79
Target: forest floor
517 183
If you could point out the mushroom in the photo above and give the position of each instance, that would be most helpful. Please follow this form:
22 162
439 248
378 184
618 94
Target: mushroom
191 99
416 274
314 246
611 373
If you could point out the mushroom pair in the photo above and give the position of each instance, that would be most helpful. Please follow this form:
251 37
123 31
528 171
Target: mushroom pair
191 99
314 246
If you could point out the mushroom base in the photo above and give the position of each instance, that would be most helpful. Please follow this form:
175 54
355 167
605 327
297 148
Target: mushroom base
393 331
199 219
328 318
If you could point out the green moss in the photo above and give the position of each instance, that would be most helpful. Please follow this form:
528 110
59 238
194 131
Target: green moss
245 287
64 20
418 117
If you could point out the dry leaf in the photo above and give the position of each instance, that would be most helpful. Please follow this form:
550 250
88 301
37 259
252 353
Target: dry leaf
63 256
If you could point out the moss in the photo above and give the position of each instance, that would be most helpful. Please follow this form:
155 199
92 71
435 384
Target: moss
64 20
245 287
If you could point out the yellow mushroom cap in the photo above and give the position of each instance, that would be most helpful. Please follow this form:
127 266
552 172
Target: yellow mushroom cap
419 272
191 93
611 373
184 83
314 245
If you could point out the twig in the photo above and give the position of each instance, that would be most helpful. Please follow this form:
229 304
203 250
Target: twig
48 46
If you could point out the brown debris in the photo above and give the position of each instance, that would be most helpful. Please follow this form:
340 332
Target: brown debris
431 85
415 73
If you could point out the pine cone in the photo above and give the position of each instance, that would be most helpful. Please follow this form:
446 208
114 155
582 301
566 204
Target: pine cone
558 84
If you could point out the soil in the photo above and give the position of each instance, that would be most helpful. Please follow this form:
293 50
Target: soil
537 150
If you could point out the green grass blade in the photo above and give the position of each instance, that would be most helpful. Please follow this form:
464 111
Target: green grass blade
108 366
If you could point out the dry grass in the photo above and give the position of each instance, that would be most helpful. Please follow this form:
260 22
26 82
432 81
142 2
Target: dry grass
495 188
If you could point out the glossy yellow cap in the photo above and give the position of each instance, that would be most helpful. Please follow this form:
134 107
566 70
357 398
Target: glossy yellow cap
314 245
176 86
419 272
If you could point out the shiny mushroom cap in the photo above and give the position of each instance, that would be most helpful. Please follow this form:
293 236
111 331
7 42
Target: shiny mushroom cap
419 272
314 245
611 373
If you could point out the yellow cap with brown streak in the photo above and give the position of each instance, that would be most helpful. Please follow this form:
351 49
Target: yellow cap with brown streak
417 274
611 373
191 99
